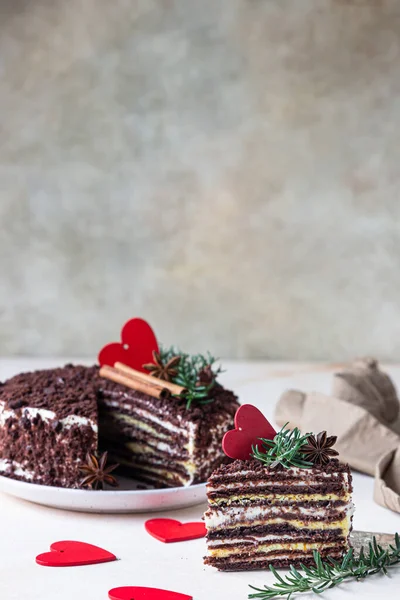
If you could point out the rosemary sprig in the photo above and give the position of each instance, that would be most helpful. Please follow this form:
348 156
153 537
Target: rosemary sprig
284 449
330 573
190 368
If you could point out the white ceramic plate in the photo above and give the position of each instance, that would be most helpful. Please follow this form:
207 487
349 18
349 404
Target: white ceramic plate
107 501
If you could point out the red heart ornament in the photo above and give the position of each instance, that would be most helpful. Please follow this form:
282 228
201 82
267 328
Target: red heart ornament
250 425
137 347
169 530
145 593
73 554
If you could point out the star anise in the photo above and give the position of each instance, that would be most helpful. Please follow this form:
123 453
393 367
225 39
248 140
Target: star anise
319 449
166 371
96 473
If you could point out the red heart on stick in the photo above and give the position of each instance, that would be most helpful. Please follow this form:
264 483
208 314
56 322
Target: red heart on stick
250 425
169 530
145 593
73 554
137 347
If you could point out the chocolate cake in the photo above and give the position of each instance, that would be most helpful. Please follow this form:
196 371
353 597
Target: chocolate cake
51 419
261 515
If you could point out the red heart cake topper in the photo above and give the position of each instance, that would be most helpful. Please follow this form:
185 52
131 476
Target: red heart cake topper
145 593
169 530
250 425
73 554
137 347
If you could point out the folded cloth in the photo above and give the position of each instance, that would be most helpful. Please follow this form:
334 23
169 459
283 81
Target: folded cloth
362 413
364 384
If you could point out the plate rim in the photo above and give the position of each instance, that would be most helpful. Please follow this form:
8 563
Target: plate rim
100 493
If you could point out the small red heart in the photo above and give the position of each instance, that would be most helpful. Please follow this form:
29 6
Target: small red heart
250 425
145 593
169 530
73 554
137 347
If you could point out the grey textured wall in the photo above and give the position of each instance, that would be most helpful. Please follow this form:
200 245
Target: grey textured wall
228 169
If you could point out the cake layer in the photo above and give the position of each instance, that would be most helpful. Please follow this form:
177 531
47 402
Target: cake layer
279 560
290 488
270 548
255 477
228 542
283 530
298 500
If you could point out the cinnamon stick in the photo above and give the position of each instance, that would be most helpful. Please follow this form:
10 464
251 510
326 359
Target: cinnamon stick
138 385
175 389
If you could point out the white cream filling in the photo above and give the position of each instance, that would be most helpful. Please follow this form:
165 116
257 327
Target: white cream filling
147 415
253 539
215 518
351 507
46 415
301 511
17 469
190 447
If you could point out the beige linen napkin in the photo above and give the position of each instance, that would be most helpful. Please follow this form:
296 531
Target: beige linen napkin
362 412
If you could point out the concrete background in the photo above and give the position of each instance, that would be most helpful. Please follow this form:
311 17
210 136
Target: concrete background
227 169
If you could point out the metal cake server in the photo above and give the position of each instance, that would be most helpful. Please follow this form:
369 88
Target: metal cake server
363 538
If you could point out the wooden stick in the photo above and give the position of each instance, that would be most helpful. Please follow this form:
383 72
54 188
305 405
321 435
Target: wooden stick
134 384
175 389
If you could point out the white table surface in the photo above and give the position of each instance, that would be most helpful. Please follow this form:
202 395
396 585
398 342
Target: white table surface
28 529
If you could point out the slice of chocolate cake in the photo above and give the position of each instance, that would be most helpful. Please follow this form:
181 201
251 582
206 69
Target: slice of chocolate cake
279 507
48 423
259 516
50 420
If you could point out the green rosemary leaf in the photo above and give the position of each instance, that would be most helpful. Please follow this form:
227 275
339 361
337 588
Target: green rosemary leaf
346 560
329 573
275 572
284 449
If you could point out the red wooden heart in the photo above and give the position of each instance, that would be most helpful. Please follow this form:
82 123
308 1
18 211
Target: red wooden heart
136 349
250 425
73 554
145 593
169 530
